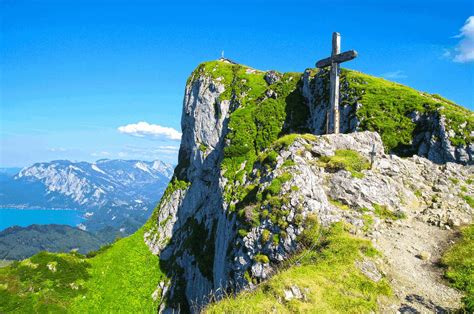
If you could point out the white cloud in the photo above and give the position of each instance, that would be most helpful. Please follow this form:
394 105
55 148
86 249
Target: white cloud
144 129
464 52
171 149
394 75
58 149
101 154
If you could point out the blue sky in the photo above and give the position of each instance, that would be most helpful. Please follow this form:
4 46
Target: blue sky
74 72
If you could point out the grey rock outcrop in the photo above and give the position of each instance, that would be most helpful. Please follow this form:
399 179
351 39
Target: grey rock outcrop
431 138
208 244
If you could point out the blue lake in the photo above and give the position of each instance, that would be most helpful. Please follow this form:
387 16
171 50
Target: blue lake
25 217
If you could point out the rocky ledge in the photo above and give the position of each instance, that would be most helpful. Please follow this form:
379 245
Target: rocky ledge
407 206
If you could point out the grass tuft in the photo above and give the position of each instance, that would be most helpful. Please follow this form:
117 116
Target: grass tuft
345 159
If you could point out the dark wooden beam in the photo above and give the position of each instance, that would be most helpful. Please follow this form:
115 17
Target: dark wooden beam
339 58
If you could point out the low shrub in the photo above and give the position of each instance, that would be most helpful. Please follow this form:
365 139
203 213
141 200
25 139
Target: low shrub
345 159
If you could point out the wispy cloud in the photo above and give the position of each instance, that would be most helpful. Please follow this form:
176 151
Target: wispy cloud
58 149
394 75
464 51
153 151
101 154
145 129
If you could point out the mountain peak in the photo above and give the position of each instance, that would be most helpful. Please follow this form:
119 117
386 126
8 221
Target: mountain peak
254 164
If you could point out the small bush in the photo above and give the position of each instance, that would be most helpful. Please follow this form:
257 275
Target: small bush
383 212
276 239
469 200
202 147
311 231
261 258
339 204
368 222
275 186
100 250
243 233
285 141
454 180
265 236
288 163
298 219
271 158
345 159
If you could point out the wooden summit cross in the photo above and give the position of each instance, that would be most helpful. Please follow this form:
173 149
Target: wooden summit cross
333 61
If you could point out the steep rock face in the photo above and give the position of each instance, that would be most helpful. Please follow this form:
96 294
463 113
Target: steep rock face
194 209
242 191
431 130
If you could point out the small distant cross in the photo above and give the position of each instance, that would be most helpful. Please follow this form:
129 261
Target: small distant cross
372 154
222 54
333 61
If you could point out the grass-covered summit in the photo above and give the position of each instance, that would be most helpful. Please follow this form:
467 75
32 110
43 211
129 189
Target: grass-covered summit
388 108
409 121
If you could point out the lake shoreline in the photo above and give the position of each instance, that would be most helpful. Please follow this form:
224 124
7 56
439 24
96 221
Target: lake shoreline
18 207
23 217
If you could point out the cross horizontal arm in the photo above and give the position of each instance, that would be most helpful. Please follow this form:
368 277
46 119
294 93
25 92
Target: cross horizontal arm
339 58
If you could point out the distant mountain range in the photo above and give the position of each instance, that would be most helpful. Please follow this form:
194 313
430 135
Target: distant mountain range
111 193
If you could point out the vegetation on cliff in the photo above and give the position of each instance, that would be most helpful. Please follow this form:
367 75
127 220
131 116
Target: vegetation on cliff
388 109
326 275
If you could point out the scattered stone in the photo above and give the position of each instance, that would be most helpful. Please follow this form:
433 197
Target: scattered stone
271 77
424 256
369 269
270 93
52 266
293 293
260 270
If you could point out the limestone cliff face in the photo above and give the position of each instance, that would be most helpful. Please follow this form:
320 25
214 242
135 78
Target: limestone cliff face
242 191
191 220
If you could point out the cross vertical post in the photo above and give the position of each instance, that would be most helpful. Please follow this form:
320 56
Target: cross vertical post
334 78
333 61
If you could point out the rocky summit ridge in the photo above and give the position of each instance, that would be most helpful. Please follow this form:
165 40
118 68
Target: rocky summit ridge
266 213
253 173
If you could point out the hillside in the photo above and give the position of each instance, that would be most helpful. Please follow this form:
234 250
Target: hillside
264 207
17 243
120 278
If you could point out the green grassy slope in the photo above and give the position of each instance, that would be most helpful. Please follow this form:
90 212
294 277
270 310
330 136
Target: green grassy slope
325 273
386 106
122 278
